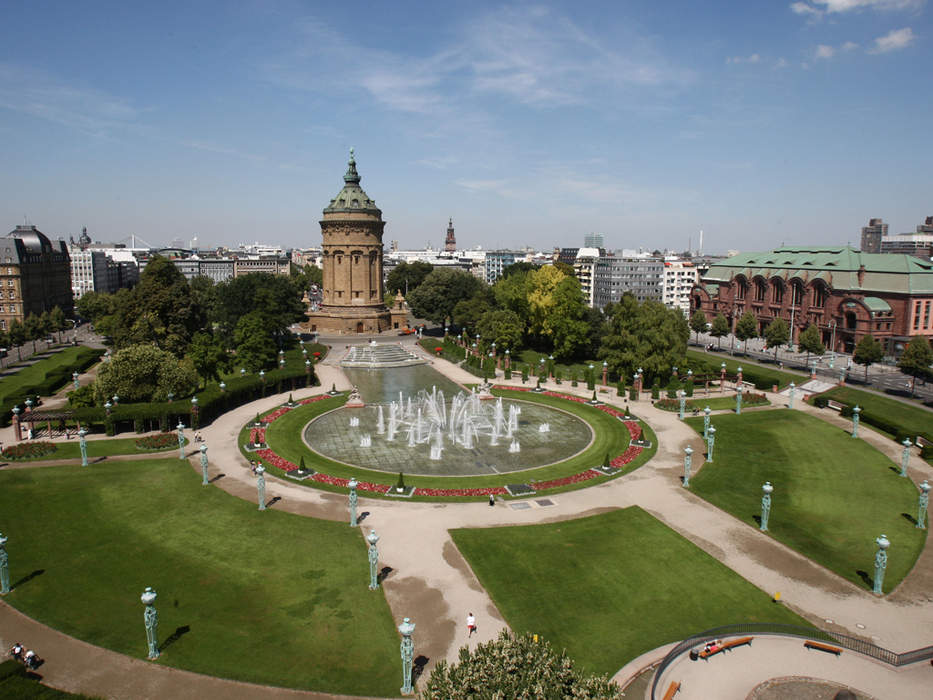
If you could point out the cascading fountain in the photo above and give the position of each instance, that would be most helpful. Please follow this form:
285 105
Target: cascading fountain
544 428
380 423
354 421
366 440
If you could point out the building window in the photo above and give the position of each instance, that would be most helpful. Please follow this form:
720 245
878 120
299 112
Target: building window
740 289
926 315
777 294
819 296
760 291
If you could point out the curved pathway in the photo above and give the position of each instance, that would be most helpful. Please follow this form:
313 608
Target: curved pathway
431 583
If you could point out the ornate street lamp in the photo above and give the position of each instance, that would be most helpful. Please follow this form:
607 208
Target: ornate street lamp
881 562
688 458
372 538
793 388
203 448
151 619
905 456
407 649
706 412
738 400
181 439
710 442
82 443
352 484
74 378
922 504
4 566
855 412
222 386
261 486
766 491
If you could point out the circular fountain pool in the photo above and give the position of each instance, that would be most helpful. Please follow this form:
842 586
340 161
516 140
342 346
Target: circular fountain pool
431 436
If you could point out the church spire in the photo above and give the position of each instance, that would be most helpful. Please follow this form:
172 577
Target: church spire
352 176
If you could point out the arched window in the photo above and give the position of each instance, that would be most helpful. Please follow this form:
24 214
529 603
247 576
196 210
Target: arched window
777 291
761 290
741 288
820 294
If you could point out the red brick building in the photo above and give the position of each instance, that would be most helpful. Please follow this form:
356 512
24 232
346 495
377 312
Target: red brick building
845 293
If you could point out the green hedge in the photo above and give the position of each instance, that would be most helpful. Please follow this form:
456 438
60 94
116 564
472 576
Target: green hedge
876 420
54 379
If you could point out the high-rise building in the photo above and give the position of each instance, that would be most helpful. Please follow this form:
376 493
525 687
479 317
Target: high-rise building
680 276
35 275
872 234
584 268
450 243
593 240
496 261
639 275
919 244
352 230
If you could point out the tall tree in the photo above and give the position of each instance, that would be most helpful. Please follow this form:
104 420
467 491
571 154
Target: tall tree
208 356
809 340
45 324
502 327
255 347
698 323
276 298
511 292
436 297
17 335
33 327
4 343
746 328
647 335
406 277
777 333
468 312
867 351
515 667
916 359
720 328
58 321
140 373
568 327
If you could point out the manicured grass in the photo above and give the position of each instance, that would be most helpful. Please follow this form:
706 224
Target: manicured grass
284 436
44 377
716 403
911 418
751 370
99 448
609 587
266 597
833 495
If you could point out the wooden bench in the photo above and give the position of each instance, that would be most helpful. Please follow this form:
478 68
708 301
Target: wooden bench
731 644
810 644
672 690
835 405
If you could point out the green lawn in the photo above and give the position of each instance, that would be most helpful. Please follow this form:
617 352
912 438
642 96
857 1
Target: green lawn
266 597
610 587
284 436
44 377
750 369
16 685
715 403
99 448
833 495
912 418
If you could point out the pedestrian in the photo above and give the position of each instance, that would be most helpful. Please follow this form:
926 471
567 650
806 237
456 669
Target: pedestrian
492 500
471 624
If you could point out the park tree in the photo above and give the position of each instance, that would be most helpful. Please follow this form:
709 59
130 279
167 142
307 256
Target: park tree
516 268
304 277
468 312
406 277
511 292
515 667
208 356
33 328
777 333
720 328
647 335
255 347
92 306
17 334
436 297
746 328
541 285
503 327
867 351
568 326
916 359
204 294
58 322
698 323
45 324
141 373
809 340
275 298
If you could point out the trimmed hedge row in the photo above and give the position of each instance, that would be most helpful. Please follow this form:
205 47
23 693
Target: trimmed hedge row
212 402
750 373
54 379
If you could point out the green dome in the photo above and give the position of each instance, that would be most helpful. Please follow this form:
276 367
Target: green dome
352 198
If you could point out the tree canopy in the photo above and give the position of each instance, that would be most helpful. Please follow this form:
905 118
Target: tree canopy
436 297
916 359
867 351
746 328
140 373
720 328
406 277
515 667
698 323
777 333
809 340
646 335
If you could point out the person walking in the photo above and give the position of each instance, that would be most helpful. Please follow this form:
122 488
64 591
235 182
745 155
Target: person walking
471 624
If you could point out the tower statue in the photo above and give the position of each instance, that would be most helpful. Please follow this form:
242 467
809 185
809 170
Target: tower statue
352 229
450 243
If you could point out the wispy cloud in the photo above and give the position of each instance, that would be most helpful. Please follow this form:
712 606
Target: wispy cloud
849 46
894 40
754 58
818 8
824 51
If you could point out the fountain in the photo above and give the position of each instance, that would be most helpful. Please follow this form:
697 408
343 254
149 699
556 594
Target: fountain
544 428
380 423
515 447
354 422
366 440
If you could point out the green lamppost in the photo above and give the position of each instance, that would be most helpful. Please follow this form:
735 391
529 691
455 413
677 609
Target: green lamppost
922 505
790 403
4 566
881 562
352 484
706 412
710 442
738 400
408 651
261 486
855 412
766 490
222 386
688 457
262 379
683 402
905 456
82 444
151 618
74 379
181 439
372 538
203 449
242 372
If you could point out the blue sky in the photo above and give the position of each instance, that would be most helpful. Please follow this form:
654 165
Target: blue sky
530 124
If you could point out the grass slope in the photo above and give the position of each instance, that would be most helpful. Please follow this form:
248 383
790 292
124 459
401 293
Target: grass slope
914 419
833 495
610 587
266 597
29 376
98 448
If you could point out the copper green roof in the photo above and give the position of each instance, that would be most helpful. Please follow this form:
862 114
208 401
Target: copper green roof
352 198
837 266
876 304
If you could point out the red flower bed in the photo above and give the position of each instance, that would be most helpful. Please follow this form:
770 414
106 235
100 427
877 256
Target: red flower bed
305 402
157 442
29 450
342 481
634 429
257 436
494 490
631 453
275 415
276 461
574 479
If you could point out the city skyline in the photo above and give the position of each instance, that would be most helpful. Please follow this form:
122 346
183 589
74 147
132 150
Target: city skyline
529 125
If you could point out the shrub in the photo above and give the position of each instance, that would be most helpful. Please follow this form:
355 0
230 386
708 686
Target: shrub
926 452
821 402
400 484
846 411
688 387
524 374
656 389
620 388
508 373
29 450
138 425
633 394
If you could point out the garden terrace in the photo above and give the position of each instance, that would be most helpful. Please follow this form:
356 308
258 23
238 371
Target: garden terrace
833 495
764 378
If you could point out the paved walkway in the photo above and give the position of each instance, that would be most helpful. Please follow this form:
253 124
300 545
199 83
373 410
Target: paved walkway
431 583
